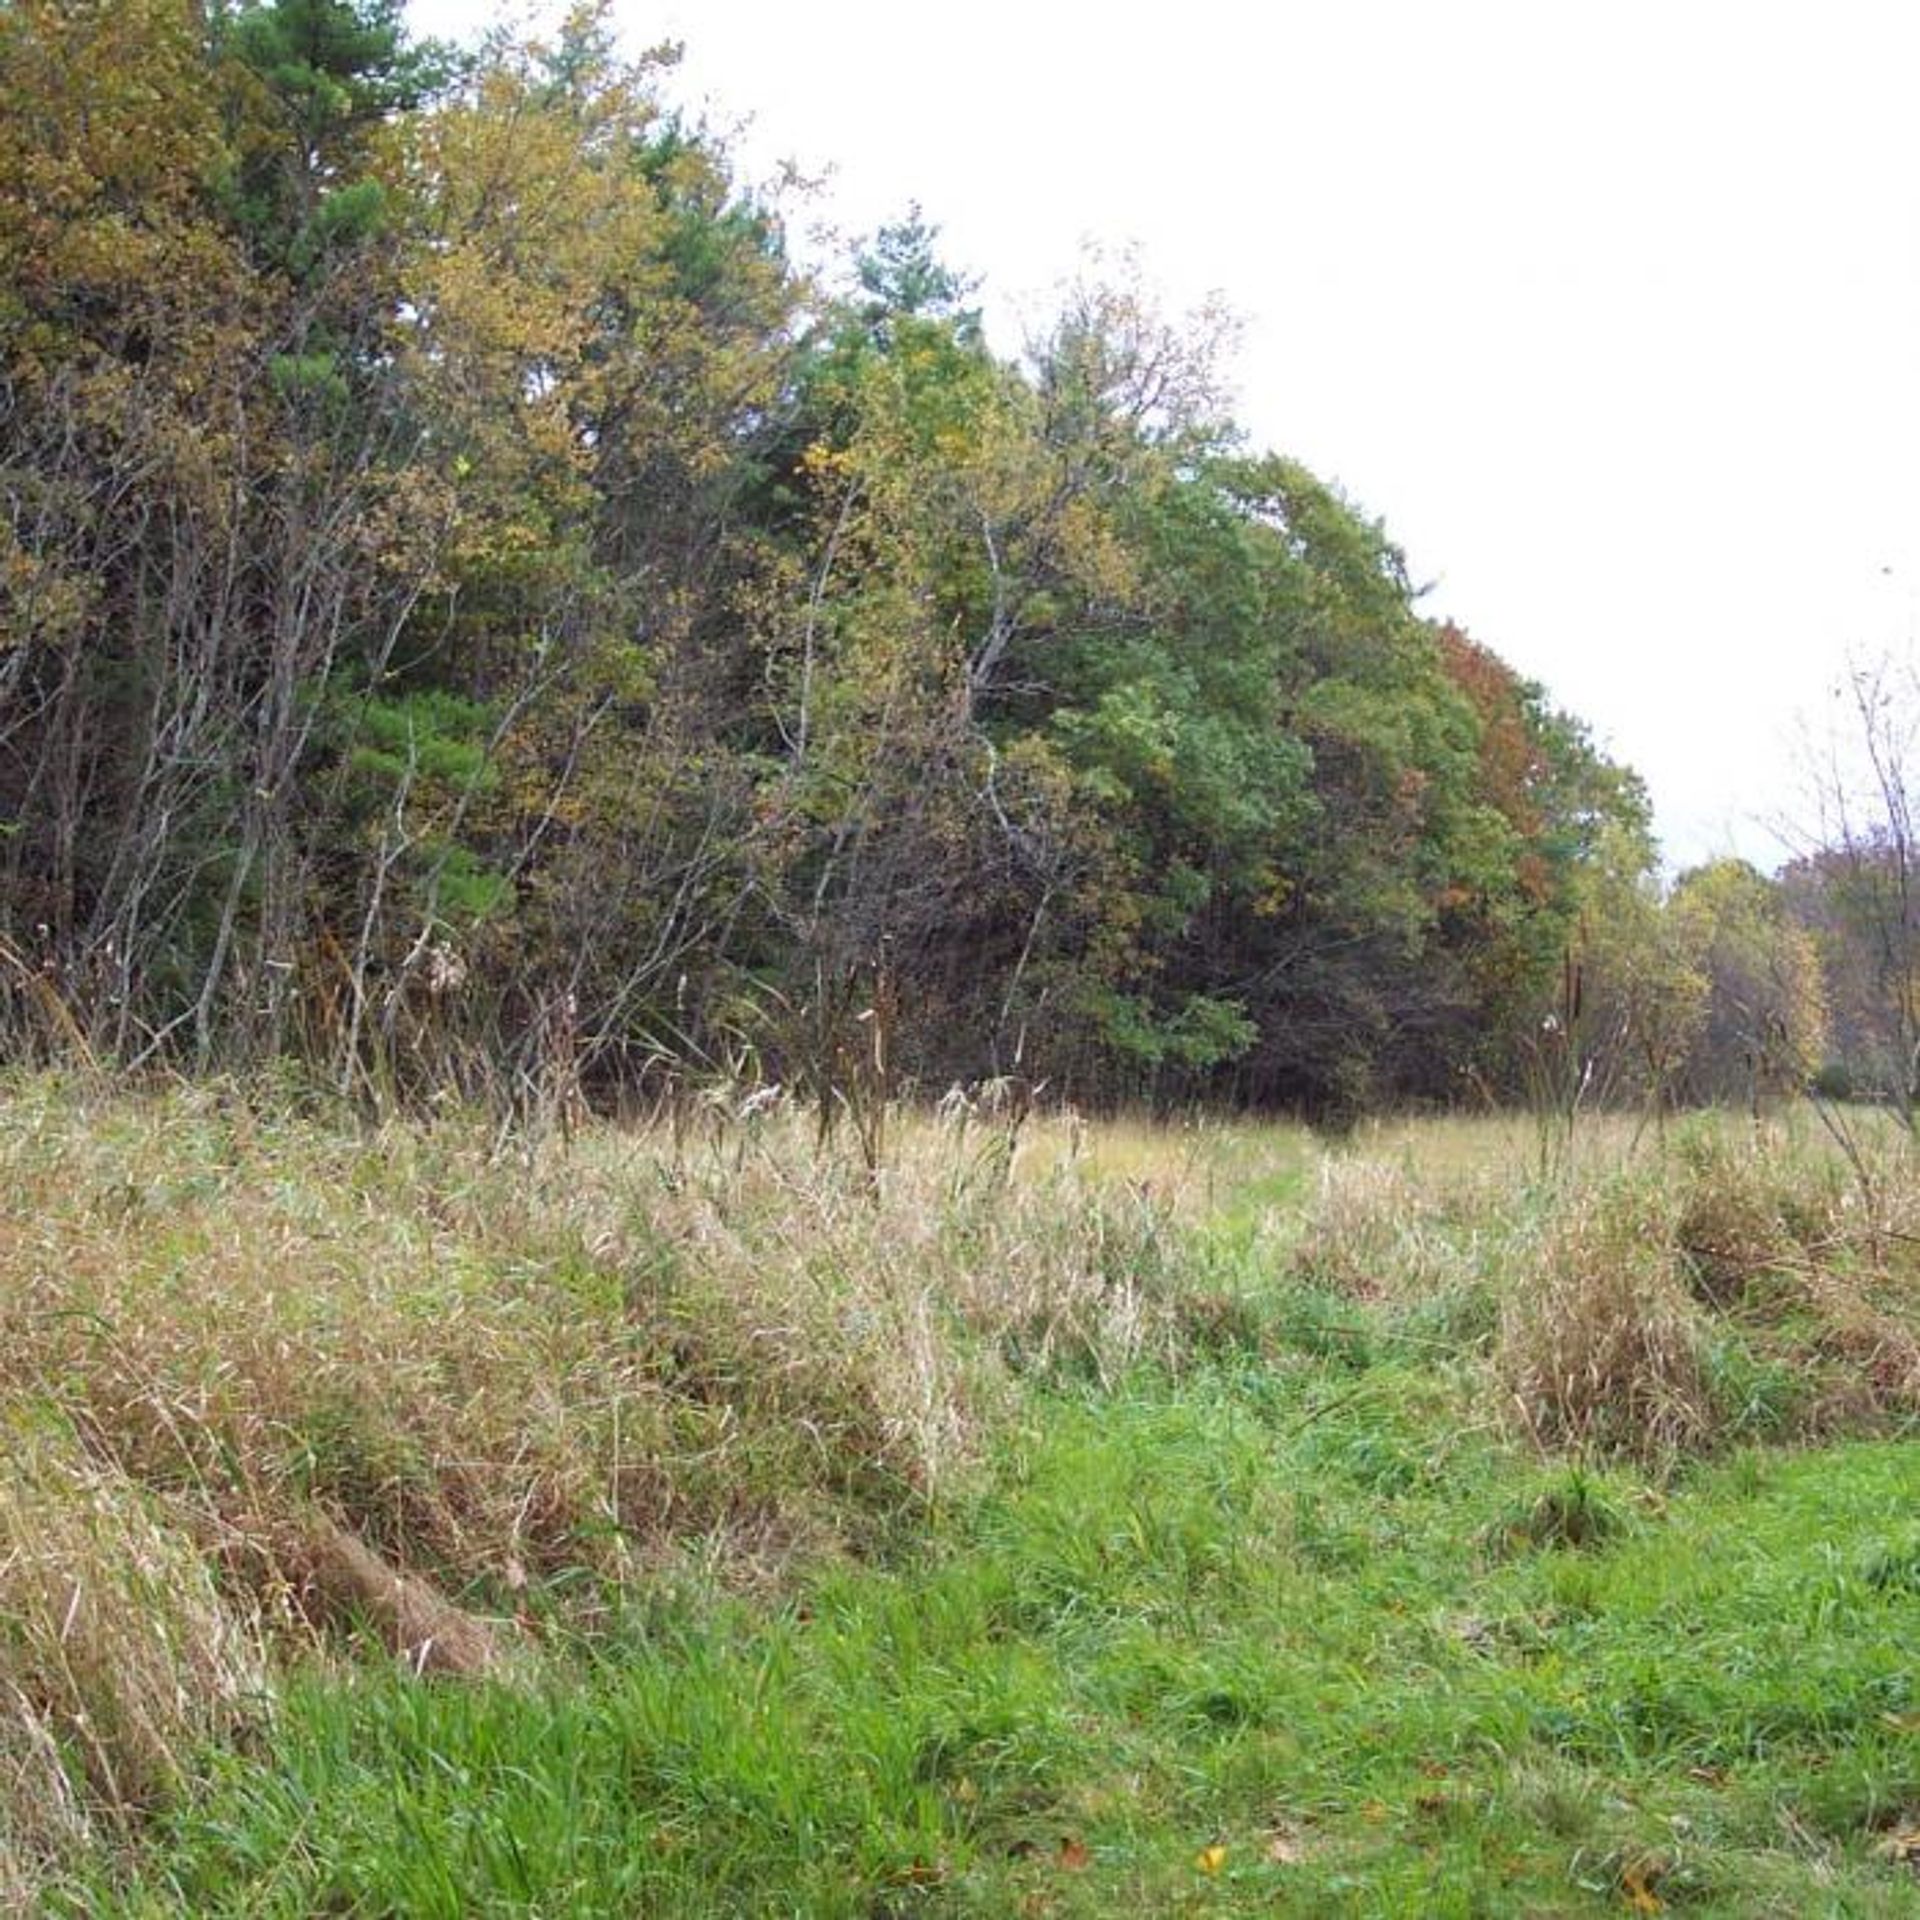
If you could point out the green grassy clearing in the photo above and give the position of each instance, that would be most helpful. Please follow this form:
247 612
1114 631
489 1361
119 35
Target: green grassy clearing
1181 1619
1271 1607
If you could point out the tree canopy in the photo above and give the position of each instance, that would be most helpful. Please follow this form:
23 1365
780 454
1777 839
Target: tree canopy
465 598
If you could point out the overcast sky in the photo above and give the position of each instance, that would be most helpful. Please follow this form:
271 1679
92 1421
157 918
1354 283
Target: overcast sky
1612 313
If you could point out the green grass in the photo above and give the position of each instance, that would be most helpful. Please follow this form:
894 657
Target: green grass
1255 1610
1151 1530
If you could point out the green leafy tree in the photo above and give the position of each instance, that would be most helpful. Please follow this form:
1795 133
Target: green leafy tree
470 615
1765 1028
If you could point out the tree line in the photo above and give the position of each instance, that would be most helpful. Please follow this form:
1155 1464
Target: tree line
471 607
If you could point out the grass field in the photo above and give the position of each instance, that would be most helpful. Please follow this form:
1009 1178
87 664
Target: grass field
1081 1518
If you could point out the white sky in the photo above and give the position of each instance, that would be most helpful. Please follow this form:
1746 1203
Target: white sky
1612 312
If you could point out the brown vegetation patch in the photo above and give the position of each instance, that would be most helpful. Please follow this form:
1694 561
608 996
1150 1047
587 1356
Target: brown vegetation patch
336 1579
1378 1230
1728 1228
1746 1245
1602 1348
577 1359
118 1654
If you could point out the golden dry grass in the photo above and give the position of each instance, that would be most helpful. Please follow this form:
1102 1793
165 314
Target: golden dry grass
264 1376
118 1652
1603 1349
487 1368
1652 1290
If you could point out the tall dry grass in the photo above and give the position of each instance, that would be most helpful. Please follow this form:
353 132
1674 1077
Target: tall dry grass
481 1359
1601 1348
119 1653
1652 1293
265 1374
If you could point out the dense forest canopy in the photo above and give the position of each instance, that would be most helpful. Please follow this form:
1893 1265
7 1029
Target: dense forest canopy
470 606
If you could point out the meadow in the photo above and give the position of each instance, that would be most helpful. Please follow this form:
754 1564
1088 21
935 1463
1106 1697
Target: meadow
1464 1516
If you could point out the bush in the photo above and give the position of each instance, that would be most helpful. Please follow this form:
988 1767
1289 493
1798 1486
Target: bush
1834 1081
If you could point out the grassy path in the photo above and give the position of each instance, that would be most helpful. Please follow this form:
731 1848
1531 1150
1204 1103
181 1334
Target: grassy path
1258 1640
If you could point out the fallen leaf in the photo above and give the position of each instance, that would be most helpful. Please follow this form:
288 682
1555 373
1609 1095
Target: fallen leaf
1902 1845
1074 1855
1640 1897
919 1873
1210 1859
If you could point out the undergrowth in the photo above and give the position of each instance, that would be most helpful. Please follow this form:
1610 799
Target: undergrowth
1074 1515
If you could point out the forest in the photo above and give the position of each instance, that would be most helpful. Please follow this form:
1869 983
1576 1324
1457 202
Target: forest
801 1118
476 619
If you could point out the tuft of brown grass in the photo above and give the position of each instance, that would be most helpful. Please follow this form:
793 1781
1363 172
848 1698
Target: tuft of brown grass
1813 1258
266 1376
583 1356
1386 1228
1603 1349
118 1654
1654 1293
1729 1233
1730 1243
